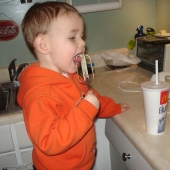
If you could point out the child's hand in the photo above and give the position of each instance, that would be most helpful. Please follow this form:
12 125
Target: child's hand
124 107
90 97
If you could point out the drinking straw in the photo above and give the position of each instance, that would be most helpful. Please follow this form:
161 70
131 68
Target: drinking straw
156 70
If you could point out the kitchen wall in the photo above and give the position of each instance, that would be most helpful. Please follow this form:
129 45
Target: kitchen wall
113 29
162 15
104 30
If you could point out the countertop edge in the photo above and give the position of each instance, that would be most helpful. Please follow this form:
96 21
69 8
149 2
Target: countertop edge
11 118
143 148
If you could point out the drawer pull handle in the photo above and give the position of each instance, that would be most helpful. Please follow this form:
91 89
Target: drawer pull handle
125 157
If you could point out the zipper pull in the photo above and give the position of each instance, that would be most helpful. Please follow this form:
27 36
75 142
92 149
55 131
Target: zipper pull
82 96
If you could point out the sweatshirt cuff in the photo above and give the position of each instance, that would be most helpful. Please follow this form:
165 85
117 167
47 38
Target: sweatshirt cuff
87 108
117 109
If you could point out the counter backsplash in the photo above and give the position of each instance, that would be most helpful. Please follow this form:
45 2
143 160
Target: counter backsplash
4 75
96 59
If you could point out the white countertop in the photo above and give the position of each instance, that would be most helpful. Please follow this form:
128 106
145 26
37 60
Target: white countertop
154 148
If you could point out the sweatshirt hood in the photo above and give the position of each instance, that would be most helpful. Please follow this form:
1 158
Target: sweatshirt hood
35 76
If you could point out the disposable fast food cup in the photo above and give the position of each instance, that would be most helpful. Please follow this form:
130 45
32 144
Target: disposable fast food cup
155 99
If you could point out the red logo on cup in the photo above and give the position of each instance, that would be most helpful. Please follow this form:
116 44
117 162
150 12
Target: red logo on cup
8 30
164 97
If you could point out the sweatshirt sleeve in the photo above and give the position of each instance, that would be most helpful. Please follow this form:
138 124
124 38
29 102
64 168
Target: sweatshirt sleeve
108 107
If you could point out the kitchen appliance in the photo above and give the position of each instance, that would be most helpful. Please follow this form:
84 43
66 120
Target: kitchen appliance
83 58
151 48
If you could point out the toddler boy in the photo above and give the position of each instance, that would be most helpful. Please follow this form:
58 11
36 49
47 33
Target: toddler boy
59 121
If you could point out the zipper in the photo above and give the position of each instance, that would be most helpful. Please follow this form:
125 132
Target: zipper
82 96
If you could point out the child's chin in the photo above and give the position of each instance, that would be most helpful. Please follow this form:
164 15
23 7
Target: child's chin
72 71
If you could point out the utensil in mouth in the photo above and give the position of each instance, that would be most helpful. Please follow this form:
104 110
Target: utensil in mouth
85 73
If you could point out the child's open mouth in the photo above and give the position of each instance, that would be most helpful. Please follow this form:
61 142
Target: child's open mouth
77 60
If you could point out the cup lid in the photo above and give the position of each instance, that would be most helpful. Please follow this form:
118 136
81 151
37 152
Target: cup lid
152 86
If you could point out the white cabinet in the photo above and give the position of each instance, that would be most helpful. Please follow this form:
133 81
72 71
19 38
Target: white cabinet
102 161
15 147
27 158
8 160
23 140
116 161
6 143
133 159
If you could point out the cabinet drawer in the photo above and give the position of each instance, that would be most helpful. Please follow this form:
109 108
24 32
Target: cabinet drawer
122 145
6 142
27 158
8 161
23 139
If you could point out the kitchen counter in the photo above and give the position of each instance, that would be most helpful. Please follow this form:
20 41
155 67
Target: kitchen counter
11 118
154 148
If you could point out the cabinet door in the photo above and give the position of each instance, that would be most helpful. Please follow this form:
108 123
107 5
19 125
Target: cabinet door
27 158
6 143
102 161
122 145
116 162
23 139
8 161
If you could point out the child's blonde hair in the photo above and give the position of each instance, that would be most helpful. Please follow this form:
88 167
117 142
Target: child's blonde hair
39 17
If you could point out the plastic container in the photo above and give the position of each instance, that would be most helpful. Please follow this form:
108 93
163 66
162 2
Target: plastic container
155 98
139 33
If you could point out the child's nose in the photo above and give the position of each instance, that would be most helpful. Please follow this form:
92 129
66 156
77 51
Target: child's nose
82 43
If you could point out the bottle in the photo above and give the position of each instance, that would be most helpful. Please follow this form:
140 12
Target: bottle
139 33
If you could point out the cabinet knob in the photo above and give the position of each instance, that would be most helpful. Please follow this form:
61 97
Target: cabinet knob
125 157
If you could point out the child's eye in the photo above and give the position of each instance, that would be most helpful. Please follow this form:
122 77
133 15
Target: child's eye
72 38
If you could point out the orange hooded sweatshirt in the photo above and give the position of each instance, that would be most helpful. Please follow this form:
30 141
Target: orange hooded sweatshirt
62 133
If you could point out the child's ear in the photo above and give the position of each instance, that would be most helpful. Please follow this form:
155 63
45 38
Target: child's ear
41 44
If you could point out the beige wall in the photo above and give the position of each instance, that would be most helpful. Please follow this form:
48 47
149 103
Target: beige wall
104 30
162 8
